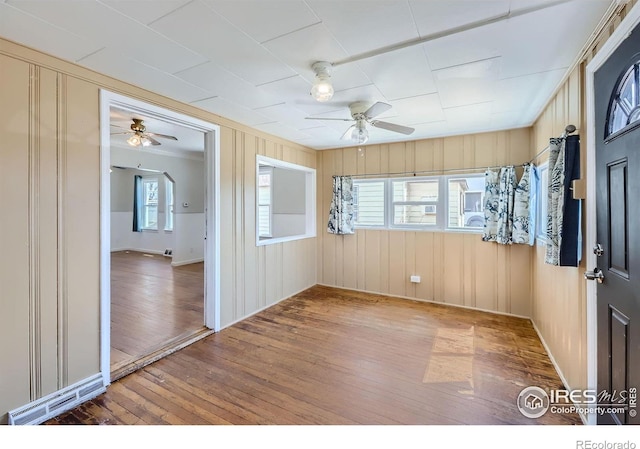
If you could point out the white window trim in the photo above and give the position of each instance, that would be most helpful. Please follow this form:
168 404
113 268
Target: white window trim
169 184
541 219
391 204
464 229
264 171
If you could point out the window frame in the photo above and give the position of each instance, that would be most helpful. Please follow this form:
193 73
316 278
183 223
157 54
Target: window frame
464 228
169 197
441 204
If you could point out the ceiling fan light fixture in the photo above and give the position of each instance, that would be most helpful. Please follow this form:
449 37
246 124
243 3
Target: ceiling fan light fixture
360 135
145 141
322 90
134 140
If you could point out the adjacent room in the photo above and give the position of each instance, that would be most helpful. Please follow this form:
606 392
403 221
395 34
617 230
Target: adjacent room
316 212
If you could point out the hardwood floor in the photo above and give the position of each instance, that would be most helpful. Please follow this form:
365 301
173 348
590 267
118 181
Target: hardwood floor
331 356
152 303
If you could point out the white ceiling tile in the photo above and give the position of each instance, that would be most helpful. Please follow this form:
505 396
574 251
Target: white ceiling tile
368 93
435 16
520 93
36 33
419 109
470 118
263 20
285 131
287 89
285 114
365 26
403 73
114 64
301 49
534 48
468 83
222 83
110 28
232 111
462 48
198 27
145 11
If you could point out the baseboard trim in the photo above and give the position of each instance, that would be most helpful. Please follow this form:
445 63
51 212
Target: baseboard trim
187 262
557 367
56 403
265 307
138 250
430 301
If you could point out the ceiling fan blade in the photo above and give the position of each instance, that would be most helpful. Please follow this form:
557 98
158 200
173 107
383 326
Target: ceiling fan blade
126 132
152 140
164 136
392 127
377 109
347 134
330 118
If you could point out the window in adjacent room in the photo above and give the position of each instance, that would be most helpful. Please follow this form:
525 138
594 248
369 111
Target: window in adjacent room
264 201
150 203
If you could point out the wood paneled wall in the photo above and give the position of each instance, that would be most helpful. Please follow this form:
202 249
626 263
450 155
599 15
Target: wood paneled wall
254 277
559 293
456 268
50 231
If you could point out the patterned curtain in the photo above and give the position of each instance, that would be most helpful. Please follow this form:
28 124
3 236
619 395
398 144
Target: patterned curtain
523 224
555 201
137 203
499 205
341 212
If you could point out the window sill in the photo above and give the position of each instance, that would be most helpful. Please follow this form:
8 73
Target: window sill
154 231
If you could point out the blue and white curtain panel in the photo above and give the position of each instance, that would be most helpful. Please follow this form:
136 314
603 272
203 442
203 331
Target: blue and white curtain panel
499 205
341 211
523 224
555 200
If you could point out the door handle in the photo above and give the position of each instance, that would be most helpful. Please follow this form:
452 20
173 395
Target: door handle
596 274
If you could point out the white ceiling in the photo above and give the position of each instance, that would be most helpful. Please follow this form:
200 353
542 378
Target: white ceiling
250 60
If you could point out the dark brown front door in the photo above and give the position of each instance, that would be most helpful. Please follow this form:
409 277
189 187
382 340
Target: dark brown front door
617 110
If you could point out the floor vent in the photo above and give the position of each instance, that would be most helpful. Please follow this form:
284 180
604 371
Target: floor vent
50 406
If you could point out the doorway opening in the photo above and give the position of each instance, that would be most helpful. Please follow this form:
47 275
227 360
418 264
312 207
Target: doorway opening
159 233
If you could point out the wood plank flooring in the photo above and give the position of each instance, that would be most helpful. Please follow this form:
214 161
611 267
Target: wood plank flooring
152 303
331 356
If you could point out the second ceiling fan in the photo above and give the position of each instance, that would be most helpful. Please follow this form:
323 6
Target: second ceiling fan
140 136
362 114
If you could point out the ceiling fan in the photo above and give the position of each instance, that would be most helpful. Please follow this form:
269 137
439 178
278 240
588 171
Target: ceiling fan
362 114
140 137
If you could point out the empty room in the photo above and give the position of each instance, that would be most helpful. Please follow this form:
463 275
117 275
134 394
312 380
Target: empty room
307 212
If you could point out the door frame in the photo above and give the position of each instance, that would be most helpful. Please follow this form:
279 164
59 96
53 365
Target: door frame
620 34
212 213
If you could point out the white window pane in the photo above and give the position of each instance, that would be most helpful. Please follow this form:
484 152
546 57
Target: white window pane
415 190
466 202
425 215
369 205
151 217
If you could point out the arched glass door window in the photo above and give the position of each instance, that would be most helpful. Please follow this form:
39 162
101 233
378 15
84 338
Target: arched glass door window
624 107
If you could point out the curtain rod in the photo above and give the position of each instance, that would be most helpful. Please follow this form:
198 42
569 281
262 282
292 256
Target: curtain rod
568 130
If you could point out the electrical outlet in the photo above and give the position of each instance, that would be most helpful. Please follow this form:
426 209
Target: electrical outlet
415 279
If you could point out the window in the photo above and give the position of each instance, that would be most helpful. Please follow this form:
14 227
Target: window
264 201
435 202
285 198
542 194
624 106
415 202
466 202
168 222
368 204
149 203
